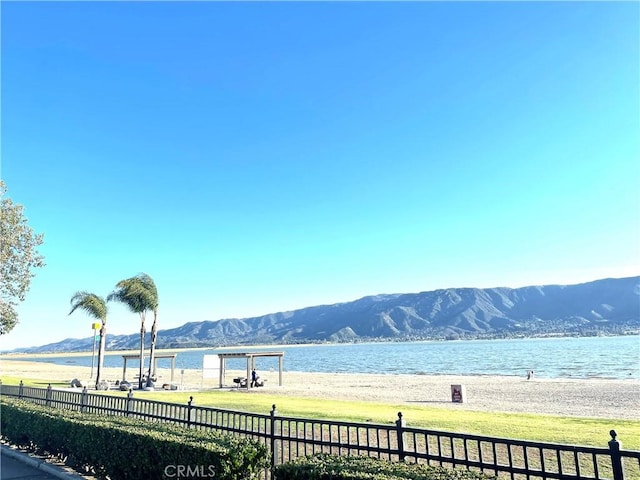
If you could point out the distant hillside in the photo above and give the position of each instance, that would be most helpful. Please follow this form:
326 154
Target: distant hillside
609 306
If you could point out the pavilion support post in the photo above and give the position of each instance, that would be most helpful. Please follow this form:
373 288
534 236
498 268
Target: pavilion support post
280 362
224 370
248 372
124 370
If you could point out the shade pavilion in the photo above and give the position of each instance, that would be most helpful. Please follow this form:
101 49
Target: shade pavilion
251 363
157 356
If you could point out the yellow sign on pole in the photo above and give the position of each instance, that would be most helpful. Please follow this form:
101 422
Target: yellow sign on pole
96 325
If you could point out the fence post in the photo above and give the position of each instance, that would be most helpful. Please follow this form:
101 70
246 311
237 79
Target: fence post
616 458
189 411
20 389
129 402
400 424
49 395
83 399
272 436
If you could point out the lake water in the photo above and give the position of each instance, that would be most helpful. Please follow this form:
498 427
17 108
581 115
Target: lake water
583 357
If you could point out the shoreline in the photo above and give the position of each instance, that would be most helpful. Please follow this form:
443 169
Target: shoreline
567 397
550 367
320 344
39 361
39 357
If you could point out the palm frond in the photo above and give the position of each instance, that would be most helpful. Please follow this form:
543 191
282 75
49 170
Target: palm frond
139 293
91 303
149 285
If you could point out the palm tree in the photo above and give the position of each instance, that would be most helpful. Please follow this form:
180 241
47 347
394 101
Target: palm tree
140 295
96 307
149 285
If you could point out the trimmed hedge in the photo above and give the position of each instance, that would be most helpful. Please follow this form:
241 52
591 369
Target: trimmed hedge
127 449
323 466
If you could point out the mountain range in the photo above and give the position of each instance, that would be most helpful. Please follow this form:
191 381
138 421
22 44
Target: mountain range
608 306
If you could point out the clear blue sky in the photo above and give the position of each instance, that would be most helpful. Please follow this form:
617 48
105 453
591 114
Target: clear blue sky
262 157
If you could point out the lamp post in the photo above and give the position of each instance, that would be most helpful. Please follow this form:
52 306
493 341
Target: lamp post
94 326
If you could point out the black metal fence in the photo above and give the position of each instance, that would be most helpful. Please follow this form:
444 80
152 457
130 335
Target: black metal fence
291 437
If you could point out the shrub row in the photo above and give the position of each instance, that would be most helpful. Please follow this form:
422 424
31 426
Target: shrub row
127 449
323 466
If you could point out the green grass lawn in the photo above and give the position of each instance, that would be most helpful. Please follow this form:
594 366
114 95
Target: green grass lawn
546 428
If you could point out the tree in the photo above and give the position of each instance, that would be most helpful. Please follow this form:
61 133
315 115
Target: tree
139 293
96 307
18 258
150 286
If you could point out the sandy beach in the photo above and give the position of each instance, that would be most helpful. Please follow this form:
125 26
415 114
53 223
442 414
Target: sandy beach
599 398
